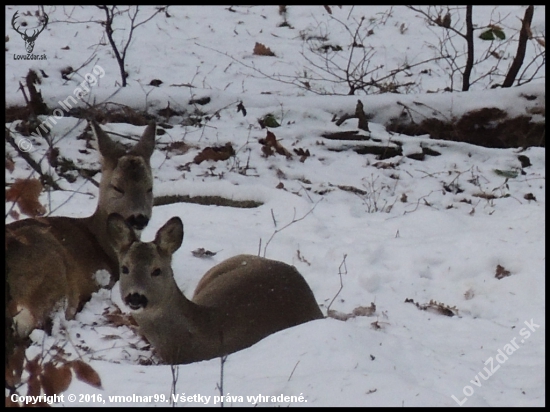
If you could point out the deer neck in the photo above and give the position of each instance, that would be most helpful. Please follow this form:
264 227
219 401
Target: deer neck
97 225
178 330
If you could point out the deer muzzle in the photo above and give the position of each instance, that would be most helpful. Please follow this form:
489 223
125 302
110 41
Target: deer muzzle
136 301
138 222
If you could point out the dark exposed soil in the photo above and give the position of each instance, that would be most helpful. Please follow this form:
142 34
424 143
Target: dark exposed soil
489 127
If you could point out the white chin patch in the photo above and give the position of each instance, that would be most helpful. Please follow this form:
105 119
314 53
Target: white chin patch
102 278
24 321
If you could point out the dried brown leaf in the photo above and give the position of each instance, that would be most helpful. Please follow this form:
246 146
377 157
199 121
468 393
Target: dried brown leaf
304 154
241 108
33 386
178 148
11 404
86 373
375 325
25 193
215 153
14 366
117 318
338 315
33 366
501 272
271 144
202 253
365 310
436 307
262 50
352 189
56 379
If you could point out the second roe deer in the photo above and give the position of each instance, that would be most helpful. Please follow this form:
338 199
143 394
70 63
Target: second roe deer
236 304
53 259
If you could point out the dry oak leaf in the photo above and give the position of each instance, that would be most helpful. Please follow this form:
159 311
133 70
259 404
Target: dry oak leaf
304 154
365 310
215 153
501 272
202 253
271 144
56 380
117 318
25 193
261 50
86 373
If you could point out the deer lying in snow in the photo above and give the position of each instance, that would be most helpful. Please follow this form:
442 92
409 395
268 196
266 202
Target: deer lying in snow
53 259
237 303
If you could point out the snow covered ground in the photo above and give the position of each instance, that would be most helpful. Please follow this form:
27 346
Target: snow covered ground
422 240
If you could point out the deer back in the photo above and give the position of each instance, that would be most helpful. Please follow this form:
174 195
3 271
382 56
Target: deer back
53 260
270 294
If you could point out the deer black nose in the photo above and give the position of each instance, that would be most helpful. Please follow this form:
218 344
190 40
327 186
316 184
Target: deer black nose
138 222
136 301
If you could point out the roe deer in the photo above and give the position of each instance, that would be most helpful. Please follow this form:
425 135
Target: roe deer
236 304
54 259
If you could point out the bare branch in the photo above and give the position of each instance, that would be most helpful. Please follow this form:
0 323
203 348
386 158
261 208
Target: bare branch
522 45
340 273
294 220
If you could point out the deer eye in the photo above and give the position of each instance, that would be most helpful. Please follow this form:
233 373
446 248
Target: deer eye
124 269
156 272
117 189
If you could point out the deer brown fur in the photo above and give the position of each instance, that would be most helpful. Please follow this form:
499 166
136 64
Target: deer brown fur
236 304
53 260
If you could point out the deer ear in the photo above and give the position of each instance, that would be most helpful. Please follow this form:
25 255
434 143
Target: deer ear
170 236
121 235
110 150
146 144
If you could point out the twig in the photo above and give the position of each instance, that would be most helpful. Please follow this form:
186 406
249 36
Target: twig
341 281
292 373
273 217
294 220
22 88
223 359
260 247
418 202
175 374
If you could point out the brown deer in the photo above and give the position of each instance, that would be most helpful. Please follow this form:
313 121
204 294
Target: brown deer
236 304
54 260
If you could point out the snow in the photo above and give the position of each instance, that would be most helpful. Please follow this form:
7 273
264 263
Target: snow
401 236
